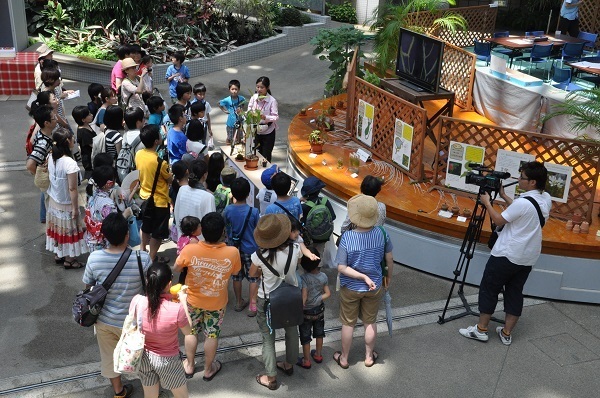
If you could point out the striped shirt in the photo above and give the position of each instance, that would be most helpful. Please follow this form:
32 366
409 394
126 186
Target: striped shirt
363 252
113 137
125 287
41 148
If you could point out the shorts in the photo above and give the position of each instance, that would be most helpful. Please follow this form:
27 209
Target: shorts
209 321
246 263
157 225
108 336
363 305
314 319
500 272
168 371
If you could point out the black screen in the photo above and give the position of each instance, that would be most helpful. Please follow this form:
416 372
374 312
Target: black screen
419 59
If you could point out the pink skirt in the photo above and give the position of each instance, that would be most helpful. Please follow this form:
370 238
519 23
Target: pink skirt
64 235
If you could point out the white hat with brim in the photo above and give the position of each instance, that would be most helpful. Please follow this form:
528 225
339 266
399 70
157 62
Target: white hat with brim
43 50
128 63
363 211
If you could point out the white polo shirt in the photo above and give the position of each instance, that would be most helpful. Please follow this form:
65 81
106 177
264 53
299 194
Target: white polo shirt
521 238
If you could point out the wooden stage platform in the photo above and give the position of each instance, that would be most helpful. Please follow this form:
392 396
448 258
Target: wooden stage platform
413 209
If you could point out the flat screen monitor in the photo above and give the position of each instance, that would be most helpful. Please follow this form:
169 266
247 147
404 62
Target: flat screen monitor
420 60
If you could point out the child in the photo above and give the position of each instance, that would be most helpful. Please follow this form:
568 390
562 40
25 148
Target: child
195 149
146 64
134 120
199 96
176 139
296 238
284 204
241 221
266 195
314 291
85 136
108 96
184 94
190 233
223 192
156 107
197 111
176 73
232 106
94 91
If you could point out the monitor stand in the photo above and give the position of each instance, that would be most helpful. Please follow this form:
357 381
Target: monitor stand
410 85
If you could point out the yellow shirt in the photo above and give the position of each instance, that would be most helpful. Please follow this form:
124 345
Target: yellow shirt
209 268
146 161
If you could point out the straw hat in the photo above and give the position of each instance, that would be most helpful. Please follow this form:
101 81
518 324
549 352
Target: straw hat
272 230
363 210
43 50
128 63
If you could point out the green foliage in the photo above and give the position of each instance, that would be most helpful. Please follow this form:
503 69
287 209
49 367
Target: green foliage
372 78
583 109
122 11
248 20
83 49
390 18
289 16
344 12
337 46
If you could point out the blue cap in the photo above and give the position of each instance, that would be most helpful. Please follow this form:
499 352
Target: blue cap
311 185
267 175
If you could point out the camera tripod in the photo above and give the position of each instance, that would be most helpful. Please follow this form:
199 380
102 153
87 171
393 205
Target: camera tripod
466 254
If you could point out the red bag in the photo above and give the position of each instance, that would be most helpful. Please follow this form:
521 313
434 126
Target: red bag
28 143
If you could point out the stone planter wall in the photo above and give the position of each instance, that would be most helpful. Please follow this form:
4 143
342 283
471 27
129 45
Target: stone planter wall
99 71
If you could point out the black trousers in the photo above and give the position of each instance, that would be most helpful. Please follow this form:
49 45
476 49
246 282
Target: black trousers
266 143
569 26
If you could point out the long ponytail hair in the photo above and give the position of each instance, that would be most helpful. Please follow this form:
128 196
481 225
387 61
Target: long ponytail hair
158 277
60 144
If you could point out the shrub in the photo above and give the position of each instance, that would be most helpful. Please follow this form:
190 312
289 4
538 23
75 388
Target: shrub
344 12
289 16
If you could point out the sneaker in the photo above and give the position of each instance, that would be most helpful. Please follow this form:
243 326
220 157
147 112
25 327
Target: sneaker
506 340
473 333
127 391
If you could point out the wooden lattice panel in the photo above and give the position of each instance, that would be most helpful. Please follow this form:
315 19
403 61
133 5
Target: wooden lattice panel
481 21
589 18
458 74
581 155
388 108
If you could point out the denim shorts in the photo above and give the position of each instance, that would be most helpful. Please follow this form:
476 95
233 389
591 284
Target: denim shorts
246 263
314 320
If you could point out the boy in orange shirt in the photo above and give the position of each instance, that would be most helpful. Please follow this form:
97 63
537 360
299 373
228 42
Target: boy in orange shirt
210 265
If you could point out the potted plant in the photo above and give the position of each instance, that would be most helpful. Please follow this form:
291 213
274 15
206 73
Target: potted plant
317 139
323 121
252 118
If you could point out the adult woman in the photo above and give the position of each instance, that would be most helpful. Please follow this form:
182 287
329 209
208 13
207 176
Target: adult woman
133 85
108 97
64 231
193 199
216 163
359 263
51 80
272 236
269 114
370 186
161 318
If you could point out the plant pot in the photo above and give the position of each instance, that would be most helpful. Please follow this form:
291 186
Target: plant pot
455 210
316 148
251 162
303 112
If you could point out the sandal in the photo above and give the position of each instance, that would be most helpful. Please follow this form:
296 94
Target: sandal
219 367
241 306
281 366
59 260
271 385
303 363
316 358
73 264
338 360
375 356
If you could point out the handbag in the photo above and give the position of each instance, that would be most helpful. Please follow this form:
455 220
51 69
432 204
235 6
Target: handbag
89 302
33 97
494 236
283 306
42 178
127 355
147 207
134 232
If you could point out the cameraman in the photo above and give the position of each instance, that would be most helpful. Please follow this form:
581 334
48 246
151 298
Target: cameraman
515 252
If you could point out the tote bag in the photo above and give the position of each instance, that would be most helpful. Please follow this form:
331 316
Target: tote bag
130 348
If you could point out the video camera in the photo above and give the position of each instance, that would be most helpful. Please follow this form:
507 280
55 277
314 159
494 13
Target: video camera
239 122
489 182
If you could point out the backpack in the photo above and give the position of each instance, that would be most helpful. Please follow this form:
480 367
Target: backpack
126 158
319 221
28 143
98 144
222 197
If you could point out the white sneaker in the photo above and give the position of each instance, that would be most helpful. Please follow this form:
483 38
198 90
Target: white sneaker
506 340
473 333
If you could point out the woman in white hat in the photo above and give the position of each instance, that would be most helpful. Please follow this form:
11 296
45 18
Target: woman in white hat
359 257
272 237
133 85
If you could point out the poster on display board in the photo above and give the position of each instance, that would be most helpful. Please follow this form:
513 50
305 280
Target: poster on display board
558 182
366 114
459 157
510 162
403 137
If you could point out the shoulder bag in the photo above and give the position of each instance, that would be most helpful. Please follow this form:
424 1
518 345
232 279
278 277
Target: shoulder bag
305 235
495 230
283 306
148 206
127 355
237 240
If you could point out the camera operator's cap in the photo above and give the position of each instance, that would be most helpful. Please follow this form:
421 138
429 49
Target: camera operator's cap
272 230
228 171
128 63
311 185
43 50
363 210
267 175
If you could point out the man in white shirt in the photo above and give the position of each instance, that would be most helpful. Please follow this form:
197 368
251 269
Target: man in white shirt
515 252
569 18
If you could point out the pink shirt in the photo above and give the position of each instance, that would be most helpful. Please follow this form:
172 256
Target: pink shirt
268 107
162 332
117 72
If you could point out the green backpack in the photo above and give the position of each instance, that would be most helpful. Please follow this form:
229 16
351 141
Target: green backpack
222 197
319 221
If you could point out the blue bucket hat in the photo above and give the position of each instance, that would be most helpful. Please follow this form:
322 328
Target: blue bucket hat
267 175
311 185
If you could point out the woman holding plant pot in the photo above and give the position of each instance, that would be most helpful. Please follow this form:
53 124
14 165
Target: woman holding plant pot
269 114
